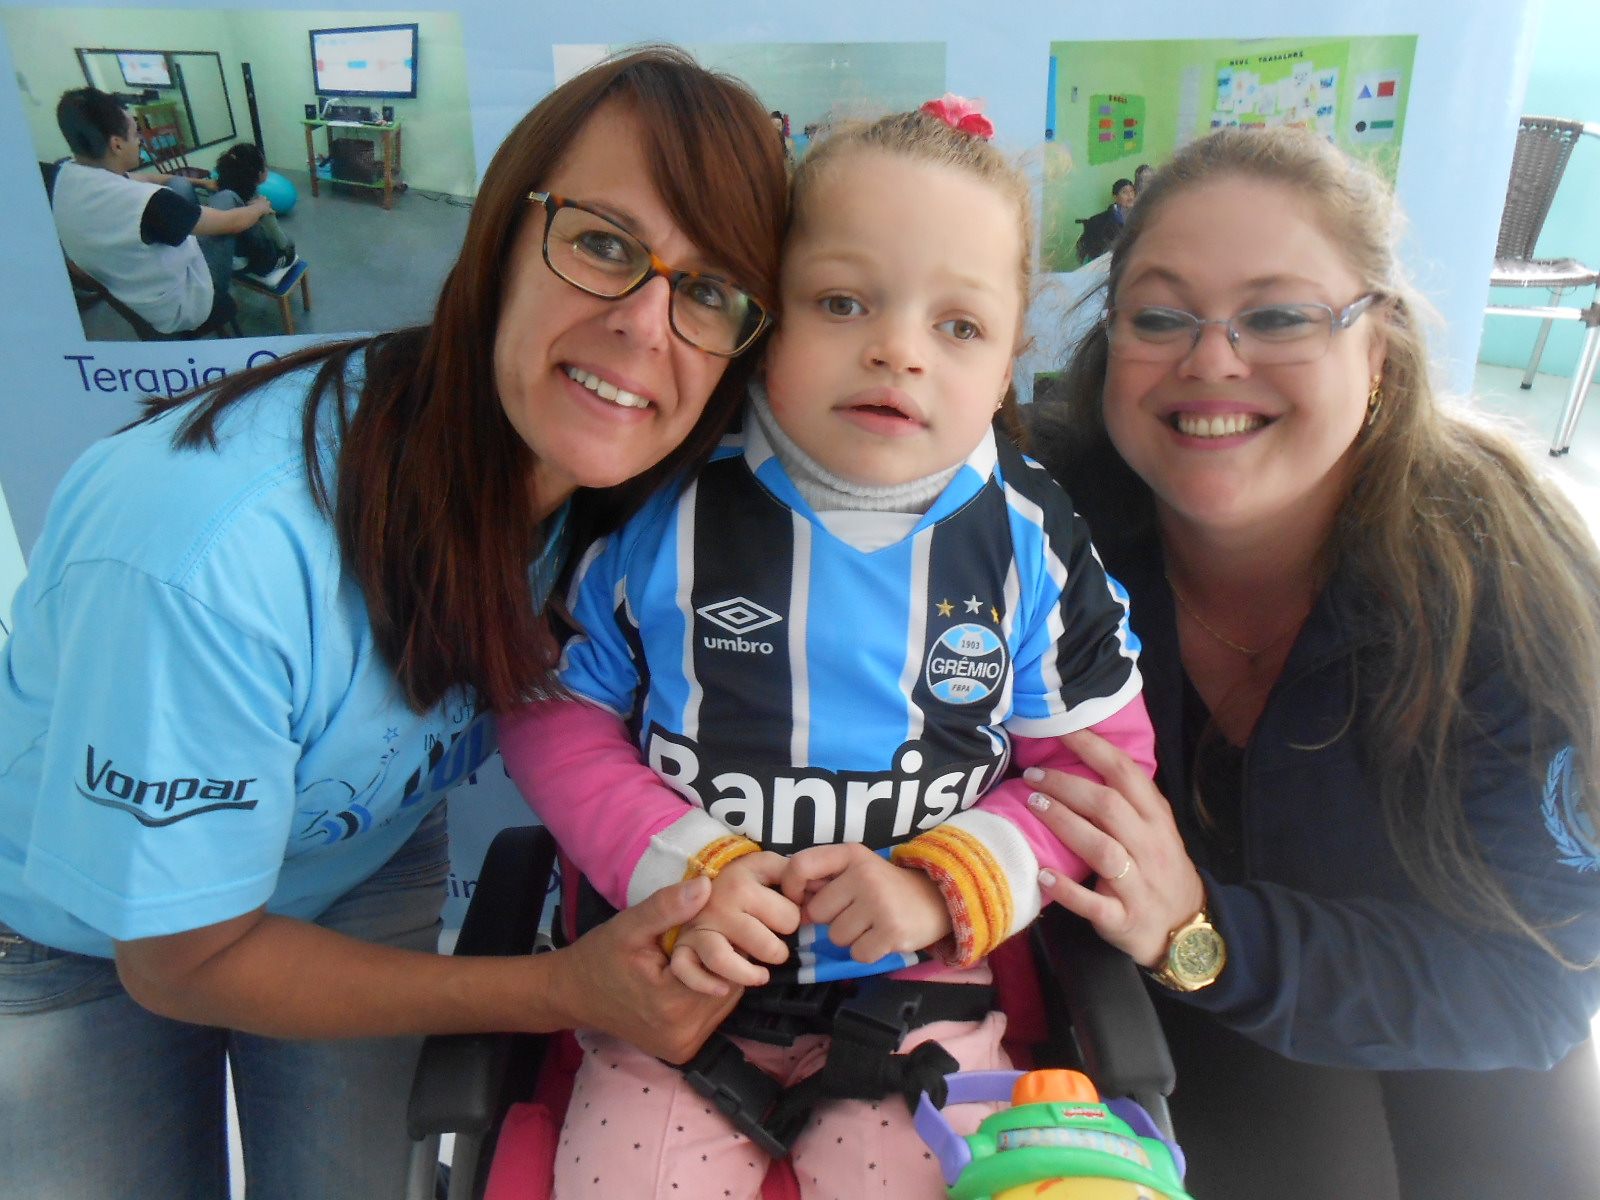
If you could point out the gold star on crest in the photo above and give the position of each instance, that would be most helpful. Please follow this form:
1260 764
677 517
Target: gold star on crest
995 612
945 608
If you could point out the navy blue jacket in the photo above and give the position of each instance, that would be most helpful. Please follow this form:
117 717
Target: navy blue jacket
1334 958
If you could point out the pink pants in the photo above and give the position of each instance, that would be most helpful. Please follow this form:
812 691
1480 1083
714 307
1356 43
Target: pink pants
635 1128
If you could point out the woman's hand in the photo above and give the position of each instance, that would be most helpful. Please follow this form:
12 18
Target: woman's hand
739 923
619 980
1124 830
867 902
280 977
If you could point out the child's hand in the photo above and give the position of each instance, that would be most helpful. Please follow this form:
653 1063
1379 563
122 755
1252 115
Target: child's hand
867 902
740 922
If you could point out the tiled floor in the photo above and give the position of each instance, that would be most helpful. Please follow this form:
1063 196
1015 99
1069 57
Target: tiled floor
1535 413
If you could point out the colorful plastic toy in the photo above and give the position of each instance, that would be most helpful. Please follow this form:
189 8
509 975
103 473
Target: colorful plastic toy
1057 1141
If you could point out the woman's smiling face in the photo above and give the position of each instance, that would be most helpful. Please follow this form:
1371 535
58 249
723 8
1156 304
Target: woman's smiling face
600 390
1225 445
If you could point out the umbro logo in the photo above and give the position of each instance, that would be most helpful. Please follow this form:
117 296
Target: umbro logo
739 615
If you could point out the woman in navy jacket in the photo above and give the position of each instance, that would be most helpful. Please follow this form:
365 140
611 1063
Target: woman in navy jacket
1372 657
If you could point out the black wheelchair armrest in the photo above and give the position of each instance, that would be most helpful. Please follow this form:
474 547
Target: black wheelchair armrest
505 908
1114 1023
460 1078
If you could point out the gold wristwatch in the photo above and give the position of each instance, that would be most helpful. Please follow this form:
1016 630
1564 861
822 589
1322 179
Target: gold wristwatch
1196 955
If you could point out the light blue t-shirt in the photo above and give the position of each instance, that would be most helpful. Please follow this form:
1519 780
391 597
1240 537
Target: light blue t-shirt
194 720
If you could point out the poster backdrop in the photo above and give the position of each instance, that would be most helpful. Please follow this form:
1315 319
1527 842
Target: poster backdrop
1430 89
1115 106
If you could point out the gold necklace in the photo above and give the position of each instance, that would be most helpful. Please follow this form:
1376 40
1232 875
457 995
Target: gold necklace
1205 624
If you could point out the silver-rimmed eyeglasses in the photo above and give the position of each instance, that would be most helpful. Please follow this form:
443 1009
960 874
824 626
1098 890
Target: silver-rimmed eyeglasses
1274 334
596 255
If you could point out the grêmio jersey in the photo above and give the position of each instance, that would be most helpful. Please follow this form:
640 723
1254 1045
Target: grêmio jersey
805 692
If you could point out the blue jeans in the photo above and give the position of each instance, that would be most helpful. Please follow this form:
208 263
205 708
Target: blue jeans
101 1098
218 252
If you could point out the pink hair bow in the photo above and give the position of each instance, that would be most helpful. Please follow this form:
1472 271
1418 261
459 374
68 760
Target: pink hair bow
960 113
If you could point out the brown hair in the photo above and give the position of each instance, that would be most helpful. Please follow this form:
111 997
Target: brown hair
925 138
431 503
1467 560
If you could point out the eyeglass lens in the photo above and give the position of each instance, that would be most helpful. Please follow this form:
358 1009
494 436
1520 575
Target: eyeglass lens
600 257
1277 333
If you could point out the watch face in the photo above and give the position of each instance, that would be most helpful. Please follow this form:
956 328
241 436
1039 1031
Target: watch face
1197 956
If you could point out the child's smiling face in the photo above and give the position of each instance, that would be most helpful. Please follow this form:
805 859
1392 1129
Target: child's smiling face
902 310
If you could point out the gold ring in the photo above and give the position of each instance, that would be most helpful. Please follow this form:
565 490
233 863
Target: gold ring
1126 867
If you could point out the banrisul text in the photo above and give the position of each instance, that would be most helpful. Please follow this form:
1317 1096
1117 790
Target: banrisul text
788 808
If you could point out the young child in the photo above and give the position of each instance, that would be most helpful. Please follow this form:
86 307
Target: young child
865 613
266 249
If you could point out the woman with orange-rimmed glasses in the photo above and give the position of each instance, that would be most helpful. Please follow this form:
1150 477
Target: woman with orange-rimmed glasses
266 627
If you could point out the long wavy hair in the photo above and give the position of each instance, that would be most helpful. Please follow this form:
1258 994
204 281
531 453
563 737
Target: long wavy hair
1459 548
430 500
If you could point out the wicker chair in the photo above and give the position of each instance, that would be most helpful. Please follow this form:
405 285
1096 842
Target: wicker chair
1544 144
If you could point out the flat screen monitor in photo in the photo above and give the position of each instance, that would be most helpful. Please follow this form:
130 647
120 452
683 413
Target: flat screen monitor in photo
144 68
371 60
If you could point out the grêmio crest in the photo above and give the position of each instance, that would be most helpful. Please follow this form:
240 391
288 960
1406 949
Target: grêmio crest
967 664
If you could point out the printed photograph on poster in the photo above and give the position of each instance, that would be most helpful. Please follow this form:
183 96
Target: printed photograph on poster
807 85
1113 107
355 128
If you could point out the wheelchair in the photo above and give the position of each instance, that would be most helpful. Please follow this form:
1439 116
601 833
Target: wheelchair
1071 1001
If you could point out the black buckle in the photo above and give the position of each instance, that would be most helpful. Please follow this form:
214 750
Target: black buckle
743 1093
877 1018
862 1062
868 1019
780 1013
907 1004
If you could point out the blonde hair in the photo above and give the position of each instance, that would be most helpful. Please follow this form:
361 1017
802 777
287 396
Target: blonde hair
924 138
1447 530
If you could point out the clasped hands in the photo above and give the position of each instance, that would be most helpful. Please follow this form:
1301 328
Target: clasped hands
868 903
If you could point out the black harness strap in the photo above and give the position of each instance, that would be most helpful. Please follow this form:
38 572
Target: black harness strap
743 1093
862 1065
867 1021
